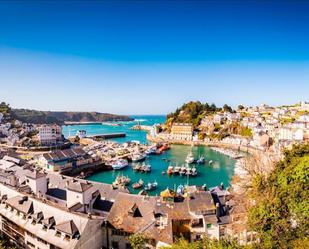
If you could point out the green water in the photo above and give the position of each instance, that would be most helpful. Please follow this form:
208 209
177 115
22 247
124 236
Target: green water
221 170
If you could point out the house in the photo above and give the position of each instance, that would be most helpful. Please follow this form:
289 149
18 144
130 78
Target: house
218 118
64 160
49 134
181 131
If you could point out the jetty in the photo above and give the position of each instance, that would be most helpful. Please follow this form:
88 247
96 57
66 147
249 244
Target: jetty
107 135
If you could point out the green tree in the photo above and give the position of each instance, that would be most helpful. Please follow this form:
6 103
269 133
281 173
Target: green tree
240 107
137 241
281 213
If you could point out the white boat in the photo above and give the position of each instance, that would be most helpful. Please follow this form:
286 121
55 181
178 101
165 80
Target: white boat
193 171
138 157
151 150
190 158
210 162
120 164
183 170
201 160
151 186
145 167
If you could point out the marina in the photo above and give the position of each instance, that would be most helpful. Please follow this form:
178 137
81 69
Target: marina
209 167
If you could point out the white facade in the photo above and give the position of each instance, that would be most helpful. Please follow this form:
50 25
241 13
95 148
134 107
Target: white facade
49 134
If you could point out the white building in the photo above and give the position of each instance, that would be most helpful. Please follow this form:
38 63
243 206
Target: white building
49 134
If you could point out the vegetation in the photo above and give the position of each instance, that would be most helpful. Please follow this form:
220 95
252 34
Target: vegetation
281 213
207 244
38 117
227 108
5 243
5 108
137 241
191 112
240 107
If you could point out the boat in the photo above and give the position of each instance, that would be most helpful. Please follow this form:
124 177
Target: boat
177 170
121 181
170 170
180 190
138 184
138 157
164 147
210 162
151 186
120 164
190 158
151 150
201 160
145 167
188 171
136 166
193 171
183 170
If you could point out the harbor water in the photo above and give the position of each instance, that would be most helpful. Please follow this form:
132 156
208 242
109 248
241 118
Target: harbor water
216 169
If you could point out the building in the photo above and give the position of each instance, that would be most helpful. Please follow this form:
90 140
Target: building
182 131
66 160
49 134
218 118
81 133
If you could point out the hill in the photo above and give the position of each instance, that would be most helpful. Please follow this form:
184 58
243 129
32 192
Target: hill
39 117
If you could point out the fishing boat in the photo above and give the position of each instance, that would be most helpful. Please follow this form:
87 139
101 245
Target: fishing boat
164 147
183 170
121 181
120 164
151 186
190 158
138 157
170 170
138 184
201 160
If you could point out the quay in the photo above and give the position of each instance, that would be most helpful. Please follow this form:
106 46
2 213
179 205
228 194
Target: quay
80 123
107 135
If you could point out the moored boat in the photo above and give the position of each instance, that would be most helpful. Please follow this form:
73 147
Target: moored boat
120 164
138 157
190 158
201 160
151 186
138 184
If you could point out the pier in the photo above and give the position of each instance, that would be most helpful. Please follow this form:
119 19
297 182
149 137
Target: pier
107 135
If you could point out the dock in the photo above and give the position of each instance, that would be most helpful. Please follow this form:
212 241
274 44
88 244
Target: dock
107 135
80 123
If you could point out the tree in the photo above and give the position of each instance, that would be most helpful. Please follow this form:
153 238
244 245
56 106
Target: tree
227 108
137 241
281 213
240 107
207 244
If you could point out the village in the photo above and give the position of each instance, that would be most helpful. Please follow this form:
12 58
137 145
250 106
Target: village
46 203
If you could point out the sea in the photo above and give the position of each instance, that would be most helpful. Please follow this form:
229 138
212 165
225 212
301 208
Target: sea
220 170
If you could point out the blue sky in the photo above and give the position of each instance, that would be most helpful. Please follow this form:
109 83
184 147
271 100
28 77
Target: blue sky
138 57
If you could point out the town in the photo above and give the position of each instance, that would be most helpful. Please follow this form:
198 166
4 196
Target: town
46 202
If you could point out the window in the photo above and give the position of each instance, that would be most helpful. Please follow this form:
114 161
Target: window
115 245
30 244
67 237
128 246
209 225
58 234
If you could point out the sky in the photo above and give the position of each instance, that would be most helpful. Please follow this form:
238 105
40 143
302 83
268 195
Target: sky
149 57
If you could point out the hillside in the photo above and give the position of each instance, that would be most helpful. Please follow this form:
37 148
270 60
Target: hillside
38 117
